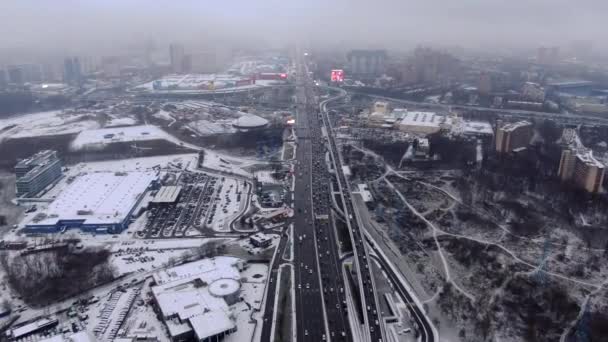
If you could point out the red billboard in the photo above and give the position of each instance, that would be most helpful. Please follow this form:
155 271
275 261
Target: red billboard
337 75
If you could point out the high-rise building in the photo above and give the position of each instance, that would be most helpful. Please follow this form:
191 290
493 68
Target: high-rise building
37 172
566 164
548 55
15 75
72 72
367 63
581 167
176 53
204 62
588 172
513 136
3 80
485 83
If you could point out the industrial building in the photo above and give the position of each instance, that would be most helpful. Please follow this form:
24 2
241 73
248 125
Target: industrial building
98 202
580 167
195 299
37 172
513 136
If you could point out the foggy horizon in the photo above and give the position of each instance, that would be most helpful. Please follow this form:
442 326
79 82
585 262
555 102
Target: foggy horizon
76 27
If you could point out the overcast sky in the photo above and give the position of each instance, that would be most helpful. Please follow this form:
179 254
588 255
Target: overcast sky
75 25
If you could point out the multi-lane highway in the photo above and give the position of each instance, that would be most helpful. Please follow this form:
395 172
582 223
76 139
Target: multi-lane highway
320 296
369 300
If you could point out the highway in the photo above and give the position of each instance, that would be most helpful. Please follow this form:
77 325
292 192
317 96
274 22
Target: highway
357 224
319 288
369 300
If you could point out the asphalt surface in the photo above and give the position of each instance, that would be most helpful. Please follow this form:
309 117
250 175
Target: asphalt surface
267 325
320 297
366 283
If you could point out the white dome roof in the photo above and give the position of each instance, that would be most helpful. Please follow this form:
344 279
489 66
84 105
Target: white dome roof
250 121
224 287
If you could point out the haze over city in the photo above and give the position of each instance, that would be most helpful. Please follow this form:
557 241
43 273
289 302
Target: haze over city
109 26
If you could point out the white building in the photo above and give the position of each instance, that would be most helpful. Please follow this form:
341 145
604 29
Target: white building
381 107
100 202
195 299
422 123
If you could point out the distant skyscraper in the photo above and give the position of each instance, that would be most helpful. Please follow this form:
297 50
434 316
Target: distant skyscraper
15 75
3 80
176 53
367 63
72 71
548 55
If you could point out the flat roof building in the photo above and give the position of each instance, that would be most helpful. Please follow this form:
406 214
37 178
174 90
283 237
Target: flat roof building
260 240
100 202
194 299
37 172
421 122
167 195
513 136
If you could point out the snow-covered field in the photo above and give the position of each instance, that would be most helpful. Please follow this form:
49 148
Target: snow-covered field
100 137
124 121
45 123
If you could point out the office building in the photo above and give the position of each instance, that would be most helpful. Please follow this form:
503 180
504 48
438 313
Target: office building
37 172
367 63
381 107
204 62
548 55
72 71
513 136
3 79
176 54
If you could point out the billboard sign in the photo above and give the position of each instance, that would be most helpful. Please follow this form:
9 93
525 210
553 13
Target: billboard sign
337 75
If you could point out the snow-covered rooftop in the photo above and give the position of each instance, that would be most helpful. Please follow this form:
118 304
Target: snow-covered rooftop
183 295
429 119
250 121
99 197
99 137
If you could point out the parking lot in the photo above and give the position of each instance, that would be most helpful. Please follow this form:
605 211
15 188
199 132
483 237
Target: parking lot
205 202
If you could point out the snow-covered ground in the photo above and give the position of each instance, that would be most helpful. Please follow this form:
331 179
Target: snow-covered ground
100 137
124 121
252 291
45 123
237 166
